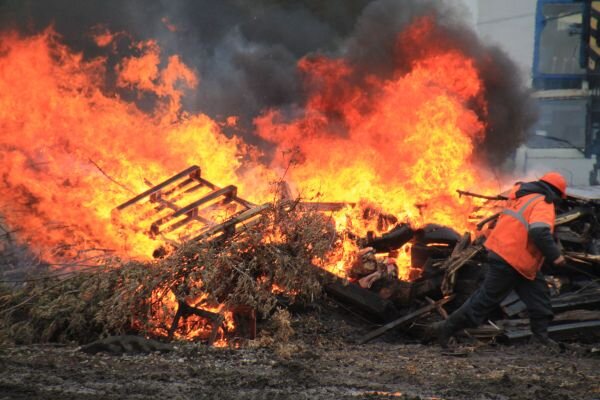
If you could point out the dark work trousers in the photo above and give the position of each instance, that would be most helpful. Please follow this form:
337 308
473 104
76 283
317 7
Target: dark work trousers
499 281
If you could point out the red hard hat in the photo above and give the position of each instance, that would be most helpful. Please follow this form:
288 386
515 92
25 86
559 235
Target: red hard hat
556 180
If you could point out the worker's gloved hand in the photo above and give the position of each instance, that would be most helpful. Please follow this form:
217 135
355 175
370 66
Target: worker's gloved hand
560 261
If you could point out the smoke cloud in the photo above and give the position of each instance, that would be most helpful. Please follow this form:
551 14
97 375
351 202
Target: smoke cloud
246 52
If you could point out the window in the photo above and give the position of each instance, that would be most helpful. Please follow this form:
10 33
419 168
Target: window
560 119
560 40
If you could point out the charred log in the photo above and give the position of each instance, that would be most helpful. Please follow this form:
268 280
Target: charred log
391 240
368 303
433 233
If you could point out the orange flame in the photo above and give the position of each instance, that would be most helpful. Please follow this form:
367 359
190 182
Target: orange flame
72 150
406 142
63 136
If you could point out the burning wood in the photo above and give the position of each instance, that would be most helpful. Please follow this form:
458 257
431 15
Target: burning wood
379 137
221 274
196 292
173 206
577 229
389 241
118 144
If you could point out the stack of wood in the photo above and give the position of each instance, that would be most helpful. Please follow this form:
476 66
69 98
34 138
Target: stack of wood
453 266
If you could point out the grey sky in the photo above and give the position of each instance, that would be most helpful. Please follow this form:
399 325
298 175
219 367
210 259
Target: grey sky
509 24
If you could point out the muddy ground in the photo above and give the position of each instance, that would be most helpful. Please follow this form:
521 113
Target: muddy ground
319 362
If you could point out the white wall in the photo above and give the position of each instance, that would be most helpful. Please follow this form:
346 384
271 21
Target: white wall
533 163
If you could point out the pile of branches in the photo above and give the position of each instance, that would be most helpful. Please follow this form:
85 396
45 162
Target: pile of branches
117 297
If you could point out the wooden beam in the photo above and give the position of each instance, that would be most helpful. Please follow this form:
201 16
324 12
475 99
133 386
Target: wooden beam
571 216
559 331
232 222
438 308
407 318
158 187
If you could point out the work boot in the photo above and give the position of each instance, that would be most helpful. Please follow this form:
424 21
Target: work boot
444 330
539 330
539 326
544 342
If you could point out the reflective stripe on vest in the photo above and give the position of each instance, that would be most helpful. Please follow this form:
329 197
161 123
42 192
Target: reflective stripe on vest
518 215
540 225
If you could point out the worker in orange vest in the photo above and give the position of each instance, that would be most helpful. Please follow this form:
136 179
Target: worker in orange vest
517 247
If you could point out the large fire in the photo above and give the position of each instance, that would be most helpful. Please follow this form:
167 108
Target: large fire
406 143
63 135
72 148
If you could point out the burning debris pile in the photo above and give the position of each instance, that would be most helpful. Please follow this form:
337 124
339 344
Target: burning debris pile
374 126
209 291
452 267
211 280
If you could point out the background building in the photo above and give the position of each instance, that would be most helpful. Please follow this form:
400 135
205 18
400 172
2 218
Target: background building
554 44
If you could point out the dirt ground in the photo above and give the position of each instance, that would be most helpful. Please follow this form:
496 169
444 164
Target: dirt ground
319 362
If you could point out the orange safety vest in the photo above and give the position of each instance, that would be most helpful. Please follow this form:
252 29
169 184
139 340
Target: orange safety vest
510 237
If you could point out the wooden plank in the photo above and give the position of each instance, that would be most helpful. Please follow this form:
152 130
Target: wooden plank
407 318
577 316
560 331
564 234
190 208
481 196
510 298
438 308
514 308
486 332
158 187
232 222
175 208
585 193
571 216
182 188
235 198
487 220
228 191
592 258
589 298
512 304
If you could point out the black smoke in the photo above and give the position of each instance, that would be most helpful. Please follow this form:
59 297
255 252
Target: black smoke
246 52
